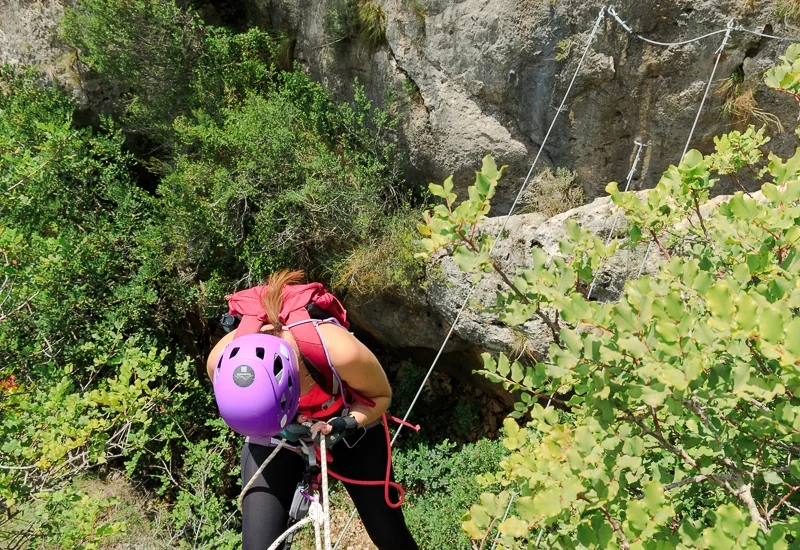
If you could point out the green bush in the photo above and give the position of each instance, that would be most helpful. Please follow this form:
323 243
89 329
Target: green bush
383 261
554 192
287 179
165 61
683 395
86 305
440 483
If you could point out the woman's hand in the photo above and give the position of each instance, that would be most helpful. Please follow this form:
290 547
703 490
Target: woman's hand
341 426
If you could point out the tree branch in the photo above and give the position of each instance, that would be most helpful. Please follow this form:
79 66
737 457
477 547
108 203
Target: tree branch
784 499
623 544
660 246
742 492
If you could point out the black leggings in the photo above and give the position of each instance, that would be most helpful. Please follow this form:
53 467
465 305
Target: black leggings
265 510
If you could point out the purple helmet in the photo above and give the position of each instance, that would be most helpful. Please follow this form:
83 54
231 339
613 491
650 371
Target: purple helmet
257 384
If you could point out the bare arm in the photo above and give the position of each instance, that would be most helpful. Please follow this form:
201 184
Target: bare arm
213 357
359 367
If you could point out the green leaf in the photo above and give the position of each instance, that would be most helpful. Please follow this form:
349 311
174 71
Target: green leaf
437 190
489 168
483 185
572 340
745 209
637 515
525 508
517 372
503 366
794 468
772 478
513 527
653 495
770 324
719 300
792 337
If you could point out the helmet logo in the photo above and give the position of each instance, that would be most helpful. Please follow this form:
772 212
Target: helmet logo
243 376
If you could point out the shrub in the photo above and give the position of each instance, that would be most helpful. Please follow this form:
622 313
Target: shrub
86 310
371 23
440 481
287 179
385 261
341 21
788 9
740 104
148 48
165 61
683 393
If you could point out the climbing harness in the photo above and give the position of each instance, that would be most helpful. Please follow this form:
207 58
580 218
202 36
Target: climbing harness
305 504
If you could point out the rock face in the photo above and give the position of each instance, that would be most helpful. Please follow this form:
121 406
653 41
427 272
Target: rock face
422 321
486 76
29 35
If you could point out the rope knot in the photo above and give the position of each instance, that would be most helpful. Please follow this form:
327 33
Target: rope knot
315 512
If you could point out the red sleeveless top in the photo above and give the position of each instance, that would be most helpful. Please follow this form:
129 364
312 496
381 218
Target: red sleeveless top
319 404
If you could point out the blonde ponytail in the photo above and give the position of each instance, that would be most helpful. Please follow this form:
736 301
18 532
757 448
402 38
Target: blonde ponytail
273 297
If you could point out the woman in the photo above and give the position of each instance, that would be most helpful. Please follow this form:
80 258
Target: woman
361 455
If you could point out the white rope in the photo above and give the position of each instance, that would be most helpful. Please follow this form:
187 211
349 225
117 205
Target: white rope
326 519
592 35
508 508
317 537
631 173
305 521
696 118
613 13
318 514
258 472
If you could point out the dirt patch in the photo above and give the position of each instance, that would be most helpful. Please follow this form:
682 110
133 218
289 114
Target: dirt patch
356 537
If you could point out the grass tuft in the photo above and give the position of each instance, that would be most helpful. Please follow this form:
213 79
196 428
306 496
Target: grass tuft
740 105
554 192
788 10
371 23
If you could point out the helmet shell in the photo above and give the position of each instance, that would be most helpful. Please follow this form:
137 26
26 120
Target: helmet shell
257 384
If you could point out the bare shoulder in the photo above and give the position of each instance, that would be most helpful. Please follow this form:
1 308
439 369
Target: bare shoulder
344 348
213 357
354 362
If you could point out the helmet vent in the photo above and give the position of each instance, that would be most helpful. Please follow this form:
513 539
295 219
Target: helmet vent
219 363
260 353
234 351
277 368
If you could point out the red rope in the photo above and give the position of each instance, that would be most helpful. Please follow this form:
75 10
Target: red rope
386 481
